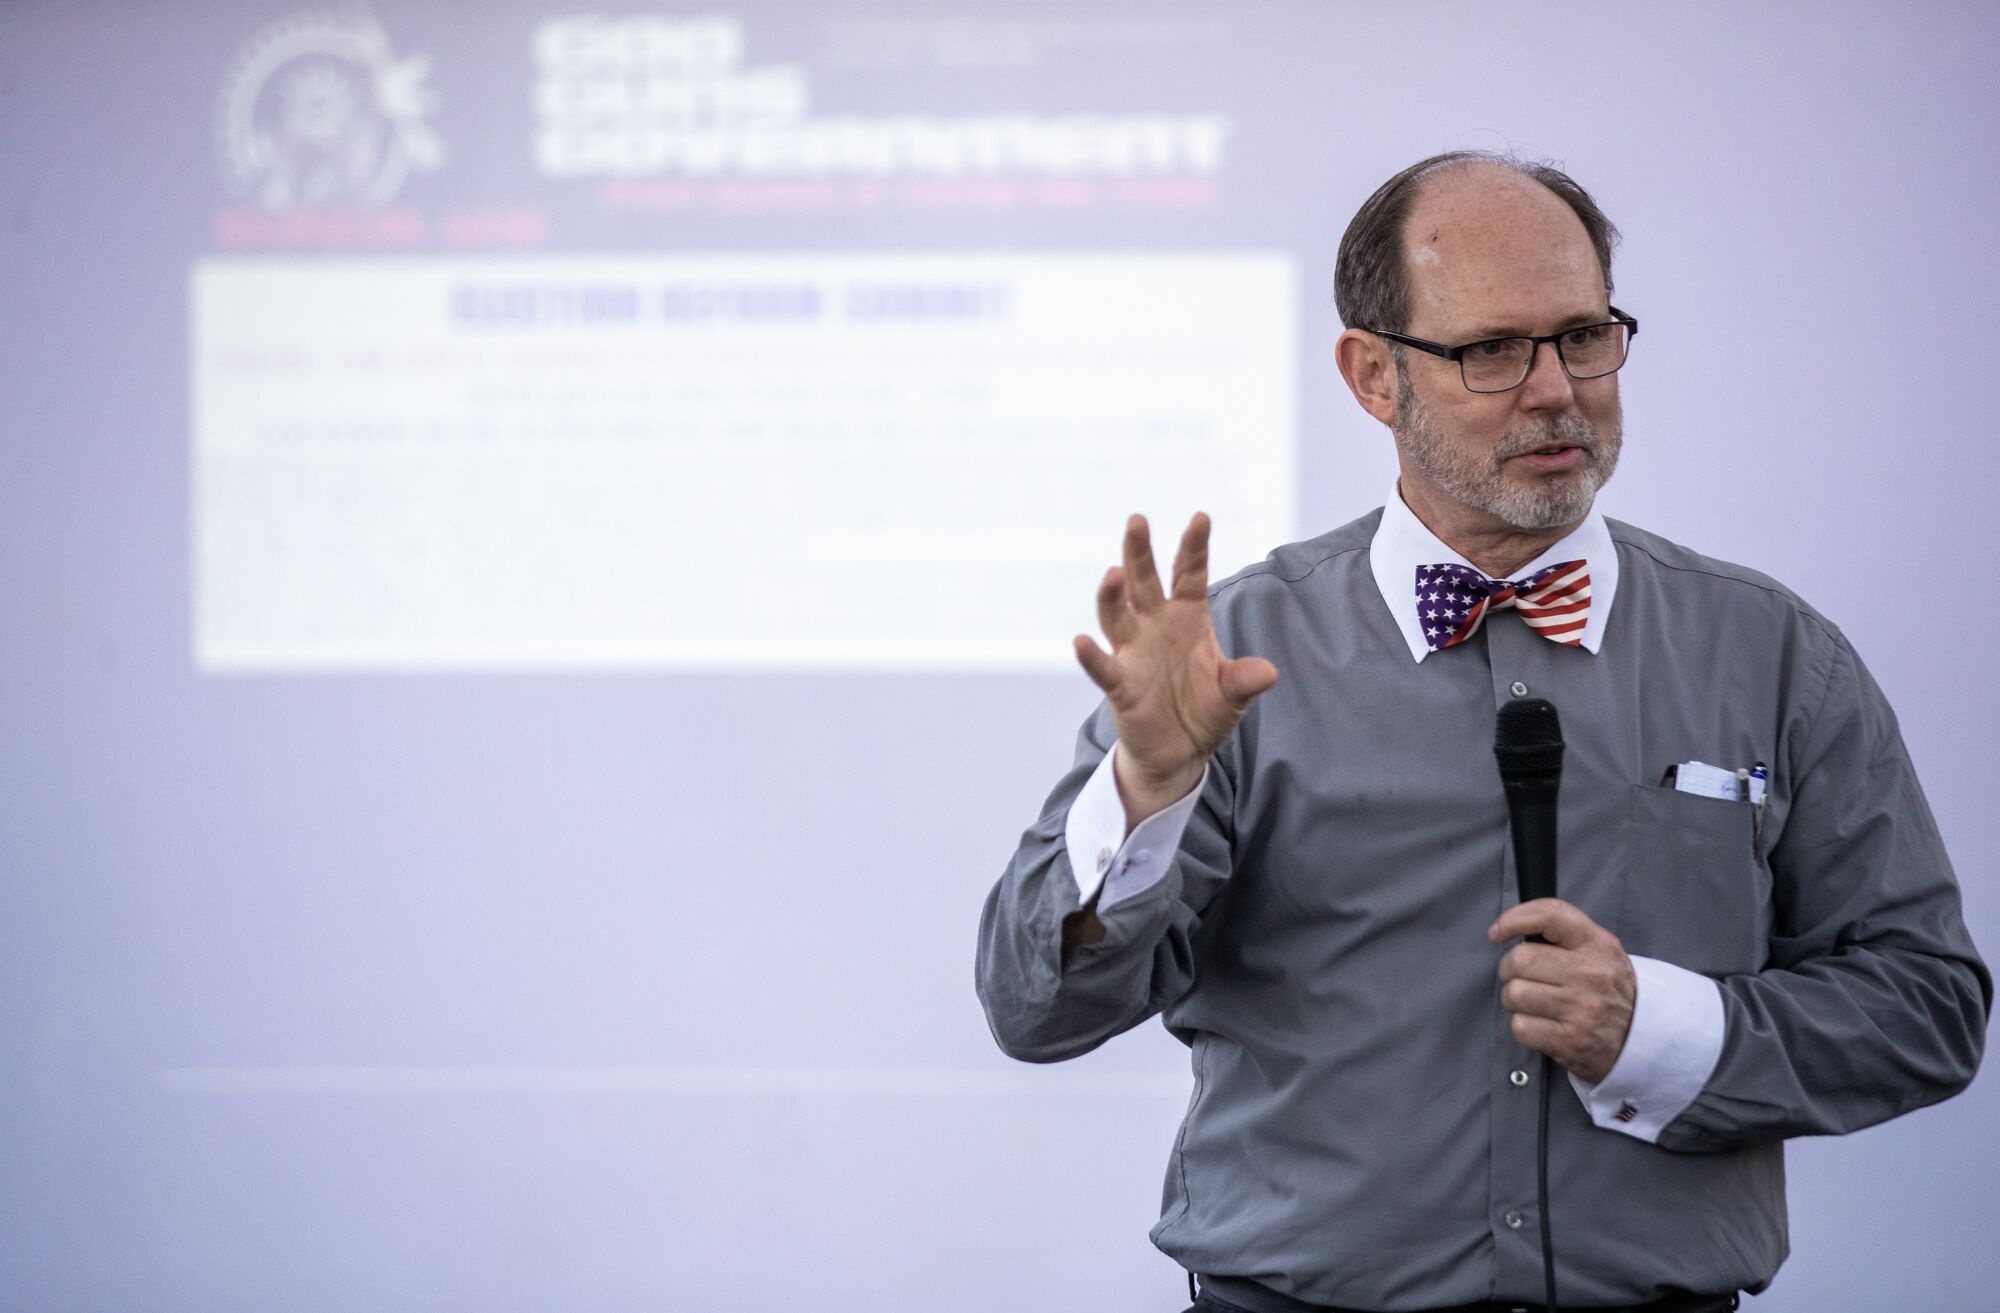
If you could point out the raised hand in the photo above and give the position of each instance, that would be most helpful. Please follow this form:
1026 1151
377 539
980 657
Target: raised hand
1174 696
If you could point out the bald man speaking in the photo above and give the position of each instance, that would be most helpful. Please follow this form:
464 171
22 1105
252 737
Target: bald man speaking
1284 831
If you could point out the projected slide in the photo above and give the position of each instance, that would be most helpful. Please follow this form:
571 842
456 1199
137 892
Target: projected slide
731 461
667 341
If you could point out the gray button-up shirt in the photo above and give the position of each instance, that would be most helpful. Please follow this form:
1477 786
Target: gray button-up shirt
1357 1135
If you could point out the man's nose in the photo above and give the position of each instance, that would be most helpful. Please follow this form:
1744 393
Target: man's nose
1547 386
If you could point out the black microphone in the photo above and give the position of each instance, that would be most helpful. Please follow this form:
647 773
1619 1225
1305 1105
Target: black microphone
1528 741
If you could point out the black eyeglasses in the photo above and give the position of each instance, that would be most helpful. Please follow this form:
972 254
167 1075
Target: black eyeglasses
1501 364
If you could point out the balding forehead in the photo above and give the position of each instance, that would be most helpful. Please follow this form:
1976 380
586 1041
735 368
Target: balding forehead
1484 243
1480 191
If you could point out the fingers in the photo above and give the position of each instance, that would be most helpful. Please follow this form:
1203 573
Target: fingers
1543 1035
1536 999
1143 589
1531 962
1113 616
1563 924
1191 561
1245 677
1096 662
1585 1036
1142 577
1552 981
1553 964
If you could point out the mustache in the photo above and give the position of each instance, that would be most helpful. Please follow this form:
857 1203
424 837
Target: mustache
1565 430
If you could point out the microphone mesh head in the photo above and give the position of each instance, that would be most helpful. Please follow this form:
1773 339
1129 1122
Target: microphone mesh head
1527 736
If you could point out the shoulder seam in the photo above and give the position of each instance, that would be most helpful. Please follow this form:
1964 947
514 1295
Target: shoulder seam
1797 605
1283 578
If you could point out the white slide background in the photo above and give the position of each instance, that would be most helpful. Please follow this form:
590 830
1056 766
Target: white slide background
726 462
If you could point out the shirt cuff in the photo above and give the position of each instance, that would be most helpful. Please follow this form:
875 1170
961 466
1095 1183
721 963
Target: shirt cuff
1669 1054
1102 854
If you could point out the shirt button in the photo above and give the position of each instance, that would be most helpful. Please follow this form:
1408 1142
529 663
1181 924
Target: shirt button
1518 1077
1142 856
1518 689
1512 1219
1103 860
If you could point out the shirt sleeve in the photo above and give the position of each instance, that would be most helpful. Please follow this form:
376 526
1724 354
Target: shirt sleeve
1047 1000
1872 1000
1675 1038
1102 856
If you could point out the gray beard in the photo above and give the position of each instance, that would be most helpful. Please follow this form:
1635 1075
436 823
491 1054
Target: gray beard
1547 503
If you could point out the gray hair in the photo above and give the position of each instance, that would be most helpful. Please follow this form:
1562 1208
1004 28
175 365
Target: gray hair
1371 280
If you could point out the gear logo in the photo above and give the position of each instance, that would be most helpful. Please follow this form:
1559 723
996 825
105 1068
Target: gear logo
318 111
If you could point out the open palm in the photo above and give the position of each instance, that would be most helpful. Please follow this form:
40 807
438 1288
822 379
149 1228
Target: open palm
1174 695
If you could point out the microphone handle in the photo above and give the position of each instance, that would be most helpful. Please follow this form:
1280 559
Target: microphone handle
1531 815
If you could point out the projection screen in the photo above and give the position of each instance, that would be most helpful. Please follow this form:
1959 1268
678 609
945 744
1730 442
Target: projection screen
540 547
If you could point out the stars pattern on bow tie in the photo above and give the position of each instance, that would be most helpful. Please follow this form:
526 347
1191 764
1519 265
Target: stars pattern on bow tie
1445 595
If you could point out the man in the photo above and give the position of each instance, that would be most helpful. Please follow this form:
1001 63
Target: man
1285 830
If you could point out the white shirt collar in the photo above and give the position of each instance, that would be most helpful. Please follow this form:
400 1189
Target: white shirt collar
1402 543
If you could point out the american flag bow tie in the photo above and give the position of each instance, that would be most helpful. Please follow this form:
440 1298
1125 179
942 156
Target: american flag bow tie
1452 600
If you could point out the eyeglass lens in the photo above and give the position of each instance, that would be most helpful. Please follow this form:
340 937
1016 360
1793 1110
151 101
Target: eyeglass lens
1503 363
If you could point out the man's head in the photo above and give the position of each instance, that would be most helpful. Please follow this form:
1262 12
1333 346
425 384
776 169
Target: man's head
1457 249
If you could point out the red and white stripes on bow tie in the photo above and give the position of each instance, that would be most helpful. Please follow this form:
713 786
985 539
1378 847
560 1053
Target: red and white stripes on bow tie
1453 599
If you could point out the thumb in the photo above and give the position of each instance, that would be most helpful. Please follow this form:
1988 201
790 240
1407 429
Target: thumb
1245 677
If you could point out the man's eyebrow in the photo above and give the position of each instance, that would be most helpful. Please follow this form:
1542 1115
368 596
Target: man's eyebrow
1578 320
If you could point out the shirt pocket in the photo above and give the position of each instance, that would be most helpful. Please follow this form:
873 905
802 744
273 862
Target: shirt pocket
1695 892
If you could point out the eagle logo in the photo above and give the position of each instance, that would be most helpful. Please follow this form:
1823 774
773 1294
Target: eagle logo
319 111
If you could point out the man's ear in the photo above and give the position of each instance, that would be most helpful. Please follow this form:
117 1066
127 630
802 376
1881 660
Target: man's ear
1370 373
